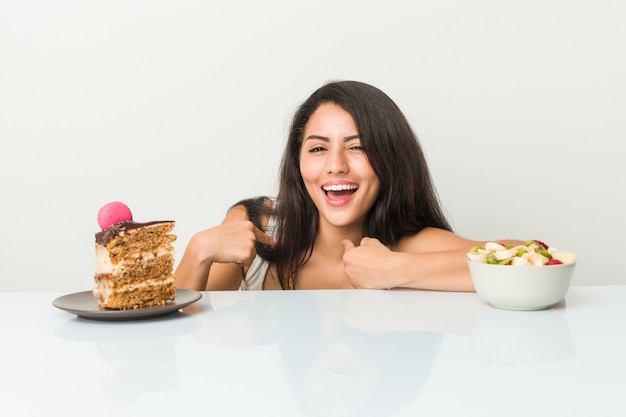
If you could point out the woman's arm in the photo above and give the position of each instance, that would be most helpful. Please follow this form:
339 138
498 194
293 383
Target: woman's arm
215 258
433 259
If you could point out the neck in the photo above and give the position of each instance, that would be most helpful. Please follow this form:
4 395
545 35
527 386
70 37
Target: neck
329 238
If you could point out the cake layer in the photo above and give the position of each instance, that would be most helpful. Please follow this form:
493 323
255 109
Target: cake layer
151 292
128 240
136 267
131 227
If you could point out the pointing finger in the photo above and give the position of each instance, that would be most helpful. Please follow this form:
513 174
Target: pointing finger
264 237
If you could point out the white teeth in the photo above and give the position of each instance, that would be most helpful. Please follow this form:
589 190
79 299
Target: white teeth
340 187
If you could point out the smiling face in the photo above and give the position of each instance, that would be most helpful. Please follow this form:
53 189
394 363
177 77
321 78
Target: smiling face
335 169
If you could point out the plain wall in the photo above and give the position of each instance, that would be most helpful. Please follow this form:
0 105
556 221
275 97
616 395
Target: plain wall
180 108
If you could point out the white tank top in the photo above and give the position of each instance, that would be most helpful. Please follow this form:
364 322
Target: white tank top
256 275
258 269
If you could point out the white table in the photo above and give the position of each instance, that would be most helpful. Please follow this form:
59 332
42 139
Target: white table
319 353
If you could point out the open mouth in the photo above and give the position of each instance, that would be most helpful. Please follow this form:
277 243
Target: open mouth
337 191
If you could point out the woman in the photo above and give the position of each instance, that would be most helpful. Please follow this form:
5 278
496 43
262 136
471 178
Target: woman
356 208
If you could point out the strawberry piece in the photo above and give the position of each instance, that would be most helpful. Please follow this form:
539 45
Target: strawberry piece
554 262
541 243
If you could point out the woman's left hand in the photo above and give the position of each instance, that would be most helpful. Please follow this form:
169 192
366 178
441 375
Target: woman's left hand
367 264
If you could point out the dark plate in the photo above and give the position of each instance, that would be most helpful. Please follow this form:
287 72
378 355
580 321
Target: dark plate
85 305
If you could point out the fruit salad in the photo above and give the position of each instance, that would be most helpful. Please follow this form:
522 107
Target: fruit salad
533 253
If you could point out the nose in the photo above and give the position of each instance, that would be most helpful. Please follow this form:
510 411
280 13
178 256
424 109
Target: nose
337 162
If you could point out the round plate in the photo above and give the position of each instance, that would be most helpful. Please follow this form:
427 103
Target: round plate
85 305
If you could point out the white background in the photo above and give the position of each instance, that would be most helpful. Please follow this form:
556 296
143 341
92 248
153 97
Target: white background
180 108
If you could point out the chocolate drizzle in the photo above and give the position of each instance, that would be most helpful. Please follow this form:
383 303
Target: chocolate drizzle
115 230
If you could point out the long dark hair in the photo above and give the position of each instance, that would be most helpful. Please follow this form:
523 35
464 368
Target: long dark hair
407 202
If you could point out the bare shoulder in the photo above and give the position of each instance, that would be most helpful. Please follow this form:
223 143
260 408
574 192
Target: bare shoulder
432 239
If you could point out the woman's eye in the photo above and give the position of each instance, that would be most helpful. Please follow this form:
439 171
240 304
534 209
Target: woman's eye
356 148
316 149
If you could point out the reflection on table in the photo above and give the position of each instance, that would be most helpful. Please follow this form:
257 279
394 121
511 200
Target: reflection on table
335 360
134 357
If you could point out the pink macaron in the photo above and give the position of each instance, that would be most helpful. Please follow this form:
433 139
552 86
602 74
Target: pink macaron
112 213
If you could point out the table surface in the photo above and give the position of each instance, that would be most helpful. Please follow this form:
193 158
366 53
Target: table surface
320 353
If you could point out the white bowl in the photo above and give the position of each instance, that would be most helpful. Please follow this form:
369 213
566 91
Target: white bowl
521 287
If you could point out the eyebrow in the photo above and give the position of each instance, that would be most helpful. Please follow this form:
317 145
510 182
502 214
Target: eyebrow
325 139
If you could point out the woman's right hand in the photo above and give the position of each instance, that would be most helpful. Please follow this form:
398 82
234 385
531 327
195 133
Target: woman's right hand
230 242
231 245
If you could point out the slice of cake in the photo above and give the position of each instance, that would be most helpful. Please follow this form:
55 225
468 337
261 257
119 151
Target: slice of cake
134 261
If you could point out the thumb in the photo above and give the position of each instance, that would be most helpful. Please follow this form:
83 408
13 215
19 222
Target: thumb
347 245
